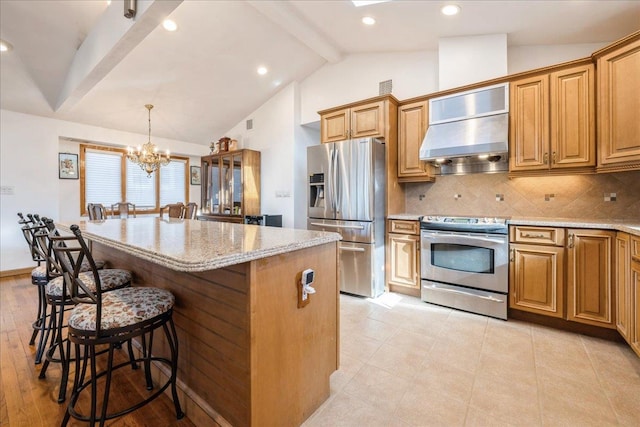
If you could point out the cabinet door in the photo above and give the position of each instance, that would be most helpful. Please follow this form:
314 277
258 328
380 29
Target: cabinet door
237 184
635 313
572 119
213 186
367 120
529 122
404 260
413 122
226 184
623 285
537 279
619 105
335 126
589 277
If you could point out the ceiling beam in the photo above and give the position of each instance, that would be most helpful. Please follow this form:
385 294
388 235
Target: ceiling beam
108 43
283 15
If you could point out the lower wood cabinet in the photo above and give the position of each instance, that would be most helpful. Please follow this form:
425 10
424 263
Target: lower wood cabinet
634 339
624 302
403 257
589 277
537 279
536 270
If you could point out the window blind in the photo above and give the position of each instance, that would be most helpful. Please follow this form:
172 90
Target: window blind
141 189
102 177
172 182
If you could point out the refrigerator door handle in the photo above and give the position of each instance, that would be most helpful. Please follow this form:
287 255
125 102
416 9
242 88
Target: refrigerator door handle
350 249
355 227
336 185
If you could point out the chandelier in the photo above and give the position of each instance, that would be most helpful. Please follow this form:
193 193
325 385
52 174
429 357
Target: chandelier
147 156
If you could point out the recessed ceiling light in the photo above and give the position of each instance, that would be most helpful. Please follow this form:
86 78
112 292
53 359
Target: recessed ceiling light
169 25
262 70
368 20
5 46
358 3
450 9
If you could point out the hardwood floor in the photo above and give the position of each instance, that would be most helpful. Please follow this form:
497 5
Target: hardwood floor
26 400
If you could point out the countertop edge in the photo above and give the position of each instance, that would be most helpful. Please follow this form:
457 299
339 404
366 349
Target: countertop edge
219 262
627 226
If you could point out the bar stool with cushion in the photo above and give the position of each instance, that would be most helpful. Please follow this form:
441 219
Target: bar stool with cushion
124 210
58 298
106 318
38 278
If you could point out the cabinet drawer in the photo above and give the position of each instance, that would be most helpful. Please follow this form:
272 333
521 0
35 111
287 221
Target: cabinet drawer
404 226
537 235
635 247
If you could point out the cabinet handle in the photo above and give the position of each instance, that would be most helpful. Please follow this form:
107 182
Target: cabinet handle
546 158
511 255
533 236
554 157
570 243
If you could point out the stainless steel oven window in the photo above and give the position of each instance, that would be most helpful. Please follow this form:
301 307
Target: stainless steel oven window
466 258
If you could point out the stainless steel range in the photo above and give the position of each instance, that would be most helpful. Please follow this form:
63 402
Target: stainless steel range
465 263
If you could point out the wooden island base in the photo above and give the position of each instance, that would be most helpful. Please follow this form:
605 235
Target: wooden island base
248 355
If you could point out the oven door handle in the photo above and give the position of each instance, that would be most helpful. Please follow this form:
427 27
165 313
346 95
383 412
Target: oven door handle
455 291
464 240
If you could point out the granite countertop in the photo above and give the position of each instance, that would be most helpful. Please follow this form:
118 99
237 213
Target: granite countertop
631 226
191 245
626 225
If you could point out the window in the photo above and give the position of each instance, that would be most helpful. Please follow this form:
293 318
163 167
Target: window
107 177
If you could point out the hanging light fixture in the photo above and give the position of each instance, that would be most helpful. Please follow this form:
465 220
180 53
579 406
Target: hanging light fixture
147 156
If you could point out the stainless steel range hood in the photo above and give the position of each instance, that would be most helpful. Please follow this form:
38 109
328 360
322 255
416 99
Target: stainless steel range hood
474 124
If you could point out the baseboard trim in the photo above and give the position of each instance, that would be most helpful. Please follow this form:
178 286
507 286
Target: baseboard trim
16 272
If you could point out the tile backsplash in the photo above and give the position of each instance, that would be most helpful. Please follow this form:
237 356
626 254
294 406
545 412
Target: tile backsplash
601 196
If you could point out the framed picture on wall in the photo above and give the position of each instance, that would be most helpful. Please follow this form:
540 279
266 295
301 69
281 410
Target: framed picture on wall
195 175
68 166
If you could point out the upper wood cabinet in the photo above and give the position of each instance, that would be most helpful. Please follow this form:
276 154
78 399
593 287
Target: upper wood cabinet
553 122
359 121
413 121
589 277
619 105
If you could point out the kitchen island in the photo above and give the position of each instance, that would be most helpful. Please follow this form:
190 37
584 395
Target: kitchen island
248 354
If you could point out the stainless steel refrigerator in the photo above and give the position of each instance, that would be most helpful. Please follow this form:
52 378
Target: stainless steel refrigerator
346 195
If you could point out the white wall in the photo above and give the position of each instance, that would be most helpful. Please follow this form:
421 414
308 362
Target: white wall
467 60
414 74
357 77
29 147
273 135
524 58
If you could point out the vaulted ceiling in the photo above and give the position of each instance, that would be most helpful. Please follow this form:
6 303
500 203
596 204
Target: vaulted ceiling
83 61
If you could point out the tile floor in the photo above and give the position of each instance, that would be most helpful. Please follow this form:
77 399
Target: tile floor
408 363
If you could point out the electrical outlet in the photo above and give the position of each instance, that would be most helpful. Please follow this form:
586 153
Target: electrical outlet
610 197
7 190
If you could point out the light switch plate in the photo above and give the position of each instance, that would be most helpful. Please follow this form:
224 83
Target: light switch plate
7 190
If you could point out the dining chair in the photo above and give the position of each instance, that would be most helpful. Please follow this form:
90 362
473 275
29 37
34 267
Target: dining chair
190 210
96 211
173 210
123 209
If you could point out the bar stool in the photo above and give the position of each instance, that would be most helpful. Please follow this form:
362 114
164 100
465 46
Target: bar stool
58 298
107 318
39 278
